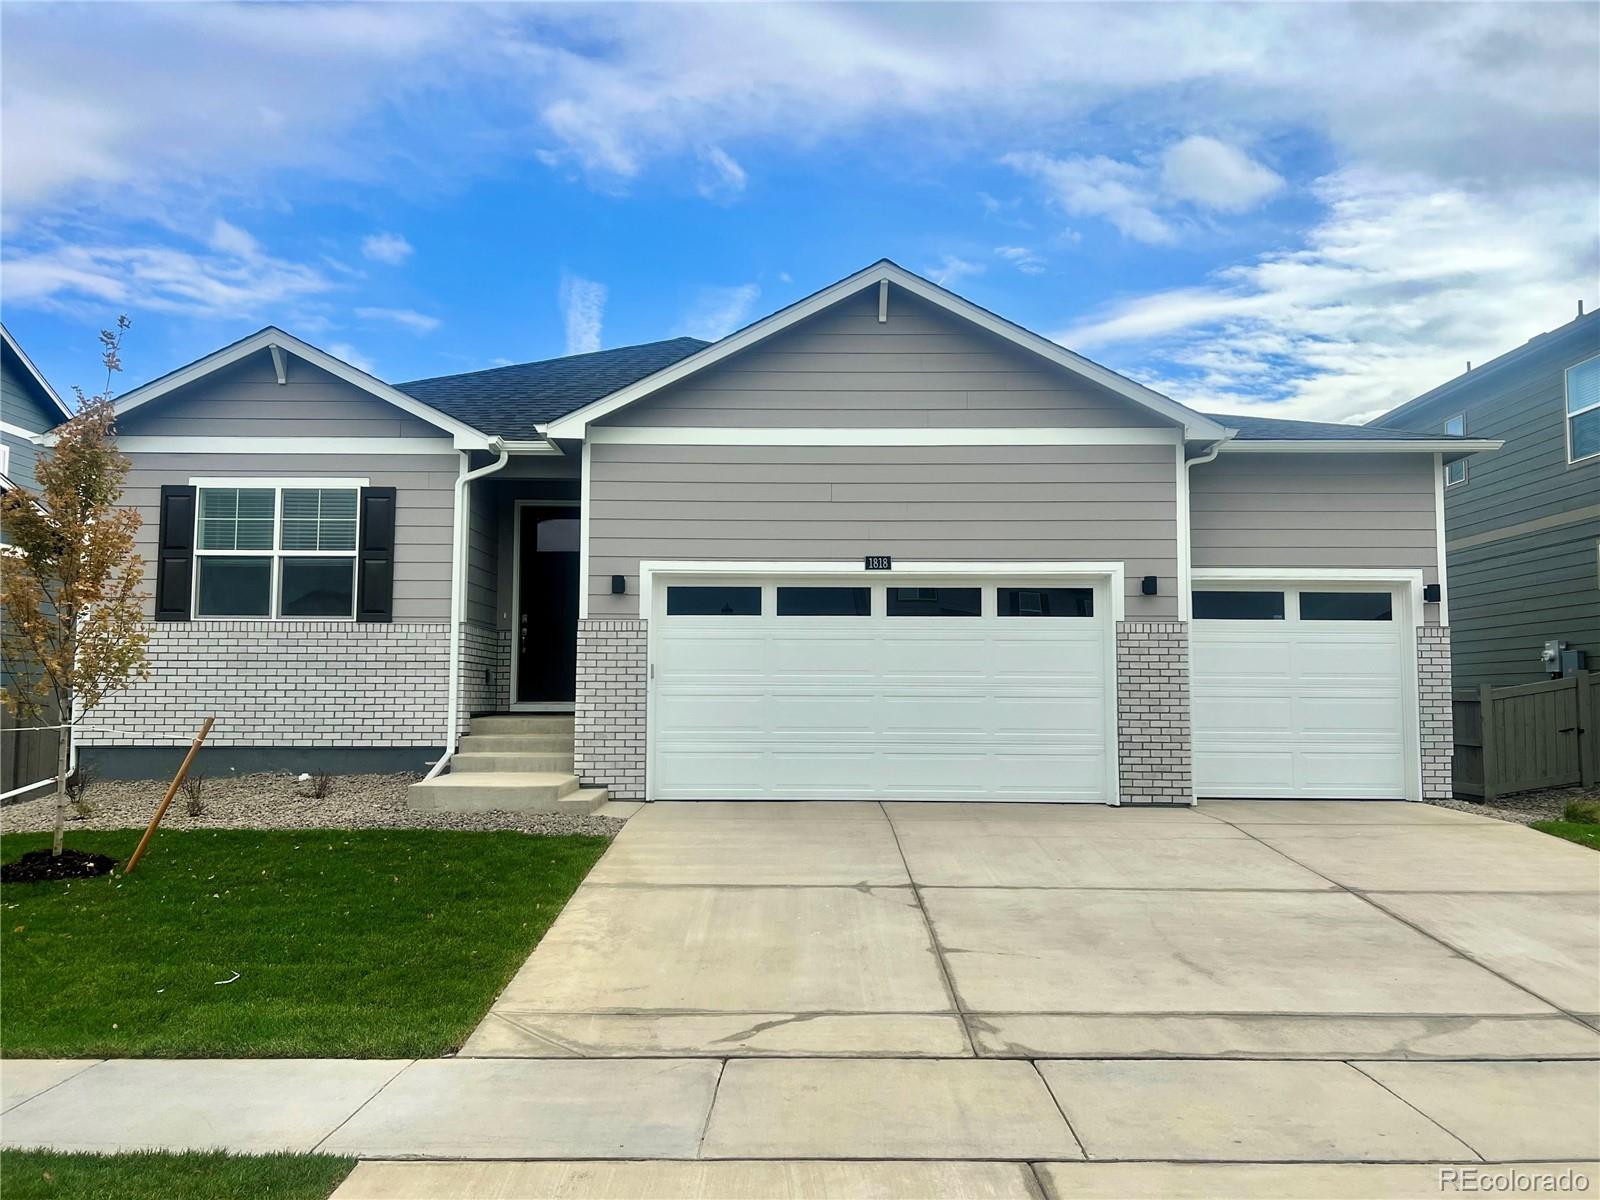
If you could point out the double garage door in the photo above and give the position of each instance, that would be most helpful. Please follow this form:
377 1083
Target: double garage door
1002 689
958 689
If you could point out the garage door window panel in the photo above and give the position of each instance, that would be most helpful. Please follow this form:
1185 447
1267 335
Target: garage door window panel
935 602
1346 606
713 601
824 602
1045 602
1238 606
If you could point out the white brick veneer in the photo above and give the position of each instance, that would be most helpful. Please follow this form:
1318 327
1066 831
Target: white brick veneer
283 683
609 726
485 671
1436 722
1153 740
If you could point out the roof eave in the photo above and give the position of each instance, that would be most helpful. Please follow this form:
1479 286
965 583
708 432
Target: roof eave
1451 448
35 374
464 436
1196 427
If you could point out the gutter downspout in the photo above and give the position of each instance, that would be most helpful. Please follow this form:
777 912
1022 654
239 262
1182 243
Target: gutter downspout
458 586
1188 582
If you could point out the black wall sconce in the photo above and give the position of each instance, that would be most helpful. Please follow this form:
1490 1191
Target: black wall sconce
1431 593
619 585
1148 585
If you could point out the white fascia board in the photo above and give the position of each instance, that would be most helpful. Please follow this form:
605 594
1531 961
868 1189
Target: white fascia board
464 437
1195 426
17 431
136 444
35 374
719 436
1452 446
533 448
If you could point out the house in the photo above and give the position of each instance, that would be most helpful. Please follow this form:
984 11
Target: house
29 407
1522 527
880 544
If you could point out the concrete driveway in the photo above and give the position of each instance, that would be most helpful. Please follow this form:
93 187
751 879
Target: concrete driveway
1241 929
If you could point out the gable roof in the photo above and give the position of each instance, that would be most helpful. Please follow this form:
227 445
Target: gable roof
1195 425
34 374
517 401
279 342
1276 434
1584 331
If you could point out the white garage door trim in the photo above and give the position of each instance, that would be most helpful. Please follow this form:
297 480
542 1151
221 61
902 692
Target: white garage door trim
655 574
1407 585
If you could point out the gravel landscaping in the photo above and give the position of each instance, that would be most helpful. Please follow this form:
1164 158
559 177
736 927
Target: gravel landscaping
280 801
1526 808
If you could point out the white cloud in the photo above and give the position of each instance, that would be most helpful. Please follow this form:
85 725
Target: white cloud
718 311
349 354
1216 175
1022 258
406 318
158 278
723 178
230 239
388 248
951 270
1098 186
1394 289
583 304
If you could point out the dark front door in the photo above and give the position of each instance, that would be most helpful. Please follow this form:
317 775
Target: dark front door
547 625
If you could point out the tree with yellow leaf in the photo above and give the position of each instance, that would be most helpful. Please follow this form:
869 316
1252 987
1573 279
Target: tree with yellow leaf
73 628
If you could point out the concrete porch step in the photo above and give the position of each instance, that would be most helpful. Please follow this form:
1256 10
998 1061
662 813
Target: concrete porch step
507 791
516 743
473 761
524 723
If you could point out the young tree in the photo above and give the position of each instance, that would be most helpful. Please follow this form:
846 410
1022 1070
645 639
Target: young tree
73 628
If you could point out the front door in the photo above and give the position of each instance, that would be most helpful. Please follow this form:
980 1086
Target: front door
547 620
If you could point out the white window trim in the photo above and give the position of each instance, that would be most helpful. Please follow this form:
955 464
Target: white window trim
1567 414
1460 462
277 554
5 459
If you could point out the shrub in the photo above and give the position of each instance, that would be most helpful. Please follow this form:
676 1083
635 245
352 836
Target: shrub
78 784
1584 812
194 787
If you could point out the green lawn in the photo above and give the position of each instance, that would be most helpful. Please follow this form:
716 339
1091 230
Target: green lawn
368 944
35 1174
1582 832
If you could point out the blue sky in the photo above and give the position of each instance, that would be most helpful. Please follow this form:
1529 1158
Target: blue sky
1301 210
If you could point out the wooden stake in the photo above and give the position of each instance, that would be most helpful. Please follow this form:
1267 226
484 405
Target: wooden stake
166 801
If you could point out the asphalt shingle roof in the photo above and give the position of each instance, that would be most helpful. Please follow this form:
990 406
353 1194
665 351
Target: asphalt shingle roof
510 401
1273 429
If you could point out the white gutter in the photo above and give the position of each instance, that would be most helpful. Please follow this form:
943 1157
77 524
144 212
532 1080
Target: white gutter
458 588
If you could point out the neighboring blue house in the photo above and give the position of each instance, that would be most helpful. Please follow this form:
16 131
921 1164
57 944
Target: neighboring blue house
28 406
1522 526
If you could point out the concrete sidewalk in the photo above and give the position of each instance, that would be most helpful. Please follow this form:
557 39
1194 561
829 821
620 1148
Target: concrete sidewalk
934 1110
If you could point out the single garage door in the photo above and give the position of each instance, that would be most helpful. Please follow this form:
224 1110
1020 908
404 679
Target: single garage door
925 690
1299 692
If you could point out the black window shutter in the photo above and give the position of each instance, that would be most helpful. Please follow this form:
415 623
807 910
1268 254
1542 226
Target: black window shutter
175 553
375 556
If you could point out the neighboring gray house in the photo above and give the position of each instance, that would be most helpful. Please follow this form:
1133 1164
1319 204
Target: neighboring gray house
29 407
1522 526
879 544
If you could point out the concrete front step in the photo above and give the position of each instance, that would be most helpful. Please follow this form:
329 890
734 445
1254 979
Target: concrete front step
516 743
504 791
524 723
475 761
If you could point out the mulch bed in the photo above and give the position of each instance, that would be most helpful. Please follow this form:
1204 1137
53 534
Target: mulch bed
40 866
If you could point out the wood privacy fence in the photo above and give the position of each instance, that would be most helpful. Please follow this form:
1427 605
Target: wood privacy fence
1527 737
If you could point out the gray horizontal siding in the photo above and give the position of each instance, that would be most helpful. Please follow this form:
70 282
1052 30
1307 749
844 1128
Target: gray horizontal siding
960 503
246 400
424 486
20 406
1508 597
483 550
922 368
1315 510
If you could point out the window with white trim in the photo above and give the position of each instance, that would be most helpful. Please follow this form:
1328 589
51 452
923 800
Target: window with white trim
5 459
1456 472
267 550
1583 410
